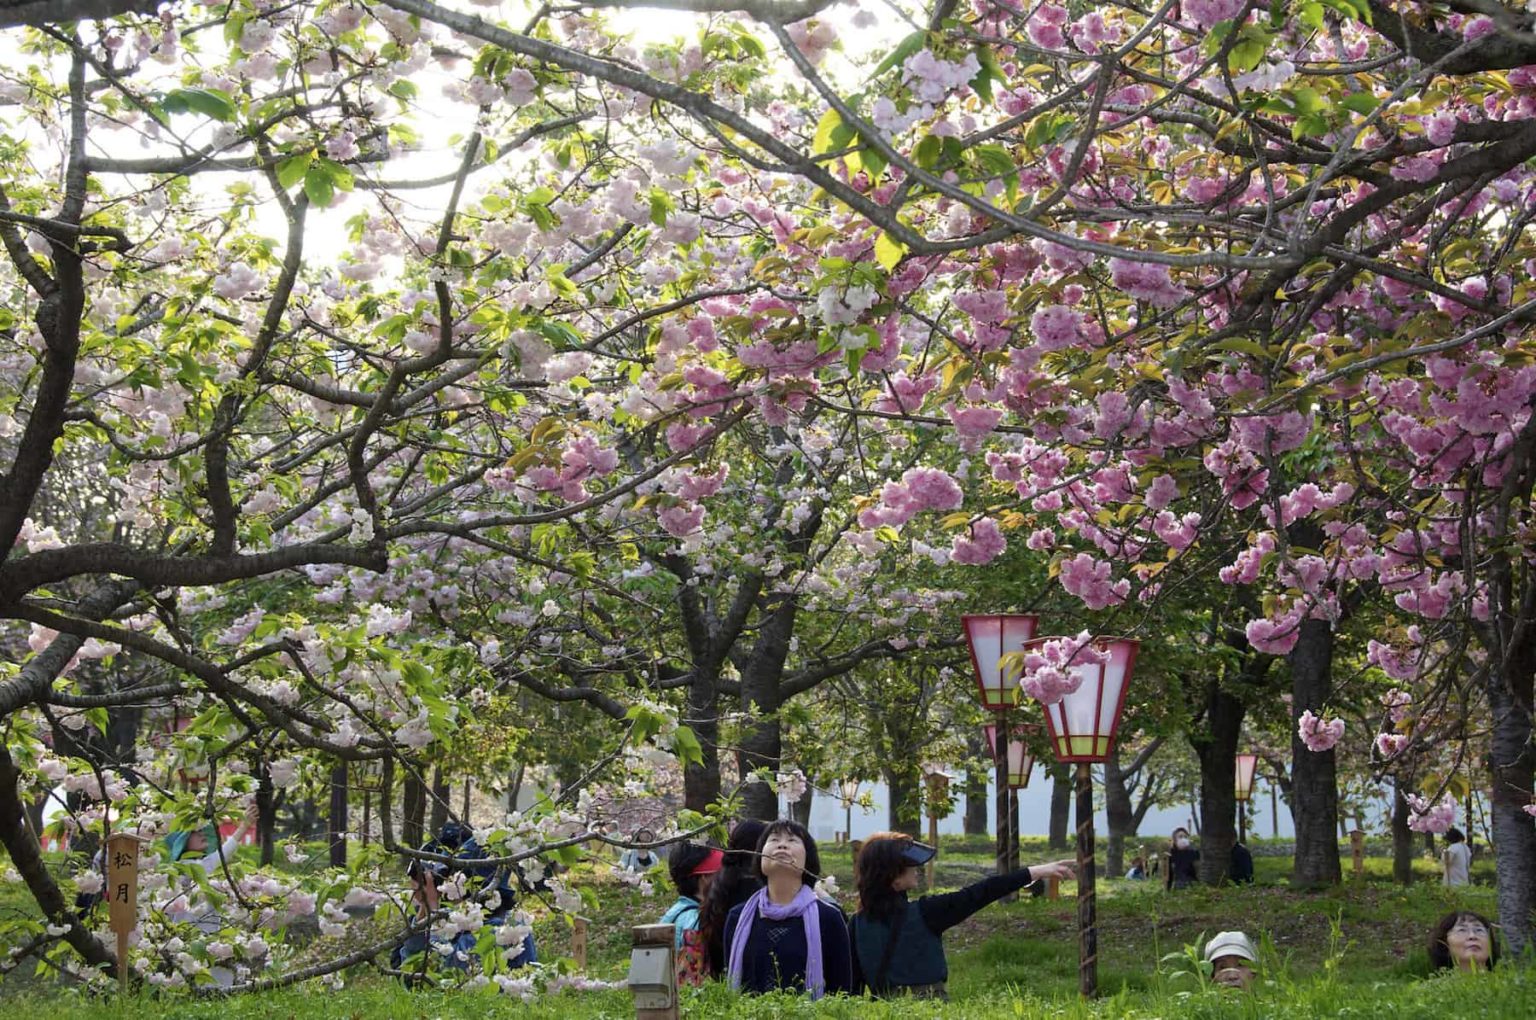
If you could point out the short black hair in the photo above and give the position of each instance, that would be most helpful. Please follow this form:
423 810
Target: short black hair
680 864
1440 949
812 871
1454 835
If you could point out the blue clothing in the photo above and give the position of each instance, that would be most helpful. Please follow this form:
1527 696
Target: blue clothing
776 952
684 916
463 950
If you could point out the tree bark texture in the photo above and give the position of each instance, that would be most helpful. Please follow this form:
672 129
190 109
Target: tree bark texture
1514 831
1314 774
337 823
1061 805
1216 747
414 804
1402 838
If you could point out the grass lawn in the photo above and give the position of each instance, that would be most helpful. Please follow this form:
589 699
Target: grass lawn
1356 951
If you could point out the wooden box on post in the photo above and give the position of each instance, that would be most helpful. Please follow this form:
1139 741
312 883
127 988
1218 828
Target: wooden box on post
653 972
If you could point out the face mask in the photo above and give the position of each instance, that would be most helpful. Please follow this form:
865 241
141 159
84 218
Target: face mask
1181 843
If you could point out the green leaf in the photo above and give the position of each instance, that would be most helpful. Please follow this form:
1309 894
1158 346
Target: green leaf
318 186
291 170
822 142
927 152
687 747
208 102
1360 102
888 251
904 49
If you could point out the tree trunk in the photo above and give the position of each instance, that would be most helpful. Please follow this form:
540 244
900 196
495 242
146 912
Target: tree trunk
1061 805
800 810
266 813
414 804
701 780
762 746
338 815
440 805
904 812
1120 814
975 818
1402 838
1216 746
1314 776
27 858
1514 832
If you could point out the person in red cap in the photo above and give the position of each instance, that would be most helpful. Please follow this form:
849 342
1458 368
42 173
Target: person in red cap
692 866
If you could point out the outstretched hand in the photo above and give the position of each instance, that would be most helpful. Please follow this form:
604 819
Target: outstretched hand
1059 870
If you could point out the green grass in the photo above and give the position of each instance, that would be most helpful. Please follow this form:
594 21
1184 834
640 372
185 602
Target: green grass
1357 950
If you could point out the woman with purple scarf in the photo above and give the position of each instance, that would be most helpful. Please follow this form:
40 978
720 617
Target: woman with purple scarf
783 937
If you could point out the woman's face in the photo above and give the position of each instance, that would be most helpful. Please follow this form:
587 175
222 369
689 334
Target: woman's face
907 880
783 852
198 841
1470 943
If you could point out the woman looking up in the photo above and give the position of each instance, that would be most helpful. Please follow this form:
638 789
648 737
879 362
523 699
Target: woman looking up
783 937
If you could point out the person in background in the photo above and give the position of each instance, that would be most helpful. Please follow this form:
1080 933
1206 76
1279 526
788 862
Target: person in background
738 879
1182 858
1456 858
1463 940
784 937
1241 869
693 867
1138 868
427 880
897 943
1232 959
194 843
639 860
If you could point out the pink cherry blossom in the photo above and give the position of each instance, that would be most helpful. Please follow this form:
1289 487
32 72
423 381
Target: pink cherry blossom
984 544
1089 580
1319 735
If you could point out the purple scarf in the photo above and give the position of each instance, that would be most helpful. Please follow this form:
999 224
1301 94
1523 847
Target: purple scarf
802 906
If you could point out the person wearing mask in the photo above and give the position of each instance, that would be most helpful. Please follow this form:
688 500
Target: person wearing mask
1138 868
1463 940
897 942
693 867
1182 859
784 937
639 860
1232 959
737 880
1456 858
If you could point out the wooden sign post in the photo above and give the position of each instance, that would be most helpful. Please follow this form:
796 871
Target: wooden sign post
579 942
123 895
1357 849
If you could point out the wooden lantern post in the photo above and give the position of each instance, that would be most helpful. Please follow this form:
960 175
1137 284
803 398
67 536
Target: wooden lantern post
1247 768
990 637
1082 727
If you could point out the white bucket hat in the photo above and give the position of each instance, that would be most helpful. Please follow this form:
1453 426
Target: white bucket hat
1230 943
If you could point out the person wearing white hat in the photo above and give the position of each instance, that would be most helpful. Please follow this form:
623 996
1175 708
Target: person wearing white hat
1232 959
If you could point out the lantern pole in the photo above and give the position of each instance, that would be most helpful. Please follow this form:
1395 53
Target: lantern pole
1087 906
1004 802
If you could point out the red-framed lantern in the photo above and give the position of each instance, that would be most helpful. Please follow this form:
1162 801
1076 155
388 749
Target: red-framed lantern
990 637
1247 768
1083 725
1021 762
